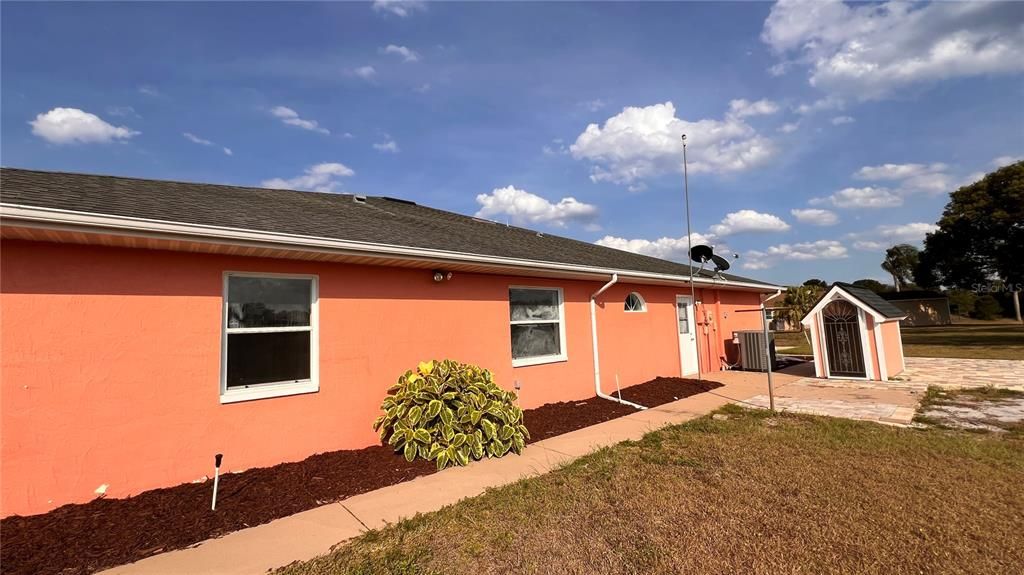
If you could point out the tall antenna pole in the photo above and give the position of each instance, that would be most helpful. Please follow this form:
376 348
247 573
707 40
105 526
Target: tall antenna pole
689 249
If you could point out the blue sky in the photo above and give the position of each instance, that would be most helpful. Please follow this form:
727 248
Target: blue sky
818 134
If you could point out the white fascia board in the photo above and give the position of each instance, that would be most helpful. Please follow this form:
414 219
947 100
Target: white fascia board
49 218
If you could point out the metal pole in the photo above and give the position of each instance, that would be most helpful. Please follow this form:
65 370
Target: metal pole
767 357
689 249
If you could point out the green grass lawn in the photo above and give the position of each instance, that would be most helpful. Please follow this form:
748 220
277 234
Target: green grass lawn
978 341
755 493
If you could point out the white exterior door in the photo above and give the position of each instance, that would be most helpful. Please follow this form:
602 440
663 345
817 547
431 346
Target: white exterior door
687 330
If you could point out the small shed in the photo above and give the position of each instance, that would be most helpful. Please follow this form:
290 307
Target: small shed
855 334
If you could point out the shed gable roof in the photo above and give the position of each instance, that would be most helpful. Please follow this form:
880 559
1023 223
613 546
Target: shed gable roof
376 220
863 298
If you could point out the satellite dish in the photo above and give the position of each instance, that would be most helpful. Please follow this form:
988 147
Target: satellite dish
701 254
721 264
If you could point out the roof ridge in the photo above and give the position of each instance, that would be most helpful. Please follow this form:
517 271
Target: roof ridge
185 182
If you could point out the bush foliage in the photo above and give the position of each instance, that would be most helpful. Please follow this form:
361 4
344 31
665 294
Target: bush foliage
451 413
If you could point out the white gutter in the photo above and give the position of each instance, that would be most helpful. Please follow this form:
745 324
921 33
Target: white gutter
597 360
53 219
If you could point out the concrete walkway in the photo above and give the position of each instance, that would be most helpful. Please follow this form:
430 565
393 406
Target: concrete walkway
306 535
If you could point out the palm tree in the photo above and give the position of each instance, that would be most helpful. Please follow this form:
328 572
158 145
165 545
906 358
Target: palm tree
900 261
798 301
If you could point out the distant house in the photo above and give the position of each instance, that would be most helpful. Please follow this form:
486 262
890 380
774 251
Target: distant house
148 325
921 306
780 322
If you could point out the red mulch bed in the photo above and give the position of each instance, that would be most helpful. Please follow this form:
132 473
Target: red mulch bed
78 539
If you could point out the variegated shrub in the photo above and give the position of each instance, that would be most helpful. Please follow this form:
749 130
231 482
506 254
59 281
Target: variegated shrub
451 413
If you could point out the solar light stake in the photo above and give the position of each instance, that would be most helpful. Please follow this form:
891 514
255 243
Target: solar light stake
216 479
689 243
618 390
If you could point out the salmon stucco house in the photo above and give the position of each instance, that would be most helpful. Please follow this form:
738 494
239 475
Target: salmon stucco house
147 325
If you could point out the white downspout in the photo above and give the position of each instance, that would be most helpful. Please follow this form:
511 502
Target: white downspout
597 360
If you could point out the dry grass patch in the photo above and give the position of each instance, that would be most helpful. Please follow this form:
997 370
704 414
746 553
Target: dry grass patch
756 493
979 409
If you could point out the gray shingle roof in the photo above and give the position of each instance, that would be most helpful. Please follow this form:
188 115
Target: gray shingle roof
378 220
873 300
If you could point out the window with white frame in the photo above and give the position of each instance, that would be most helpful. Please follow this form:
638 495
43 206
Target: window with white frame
634 302
537 325
270 336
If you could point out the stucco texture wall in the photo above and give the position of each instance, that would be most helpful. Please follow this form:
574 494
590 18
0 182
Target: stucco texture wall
892 342
111 362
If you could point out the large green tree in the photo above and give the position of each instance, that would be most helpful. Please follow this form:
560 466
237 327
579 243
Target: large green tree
873 285
980 237
900 261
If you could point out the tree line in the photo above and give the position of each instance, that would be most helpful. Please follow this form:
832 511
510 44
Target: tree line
976 254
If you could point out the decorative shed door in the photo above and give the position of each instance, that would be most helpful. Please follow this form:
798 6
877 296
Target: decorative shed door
842 340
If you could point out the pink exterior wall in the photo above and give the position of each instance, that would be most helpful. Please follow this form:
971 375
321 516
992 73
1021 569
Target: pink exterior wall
892 342
111 361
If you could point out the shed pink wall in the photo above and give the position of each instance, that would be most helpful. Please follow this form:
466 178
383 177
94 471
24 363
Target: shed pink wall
111 359
892 343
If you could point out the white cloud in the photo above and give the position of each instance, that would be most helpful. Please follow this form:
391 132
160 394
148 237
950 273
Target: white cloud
821 105
666 248
748 221
896 171
406 54
388 145
867 197
123 111
805 251
593 105
317 178
151 91
885 236
871 51
641 143
523 208
928 178
365 72
74 126
840 120
422 88
291 117
744 108
815 217
400 8
196 139
1006 161
789 128
204 142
